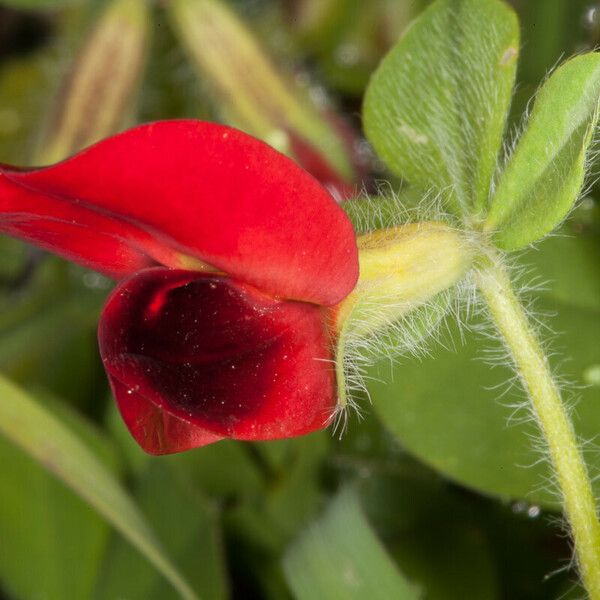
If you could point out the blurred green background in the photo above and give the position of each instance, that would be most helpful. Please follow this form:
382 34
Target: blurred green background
437 494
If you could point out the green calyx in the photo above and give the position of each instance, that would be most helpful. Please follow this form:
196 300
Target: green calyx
403 270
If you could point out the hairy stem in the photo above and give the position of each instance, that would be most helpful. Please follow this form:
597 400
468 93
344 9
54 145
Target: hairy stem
534 371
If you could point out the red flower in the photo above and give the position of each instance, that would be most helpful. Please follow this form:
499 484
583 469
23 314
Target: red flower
228 255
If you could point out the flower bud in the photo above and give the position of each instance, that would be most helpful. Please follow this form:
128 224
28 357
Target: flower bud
96 93
253 95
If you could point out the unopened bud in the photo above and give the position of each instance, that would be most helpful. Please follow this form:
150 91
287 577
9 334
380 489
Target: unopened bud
253 95
95 97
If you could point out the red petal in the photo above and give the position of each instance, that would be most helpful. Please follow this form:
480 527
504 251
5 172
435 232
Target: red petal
196 357
154 429
176 188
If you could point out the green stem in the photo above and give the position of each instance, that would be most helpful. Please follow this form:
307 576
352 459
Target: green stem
534 371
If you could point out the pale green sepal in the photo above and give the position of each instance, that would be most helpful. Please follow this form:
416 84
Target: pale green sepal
544 176
435 109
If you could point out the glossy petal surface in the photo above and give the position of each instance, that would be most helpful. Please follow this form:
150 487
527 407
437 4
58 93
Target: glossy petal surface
195 357
164 192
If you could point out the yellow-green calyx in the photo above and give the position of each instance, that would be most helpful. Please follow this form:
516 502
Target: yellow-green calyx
401 269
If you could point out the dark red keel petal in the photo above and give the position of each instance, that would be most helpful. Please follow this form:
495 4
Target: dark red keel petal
195 357
154 429
167 190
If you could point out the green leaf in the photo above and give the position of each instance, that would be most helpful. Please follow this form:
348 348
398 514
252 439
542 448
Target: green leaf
435 109
458 414
187 524
46 439
445 410
545 174
339 557
448 558
47 529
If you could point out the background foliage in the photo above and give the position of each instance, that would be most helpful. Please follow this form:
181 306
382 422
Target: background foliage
437 494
